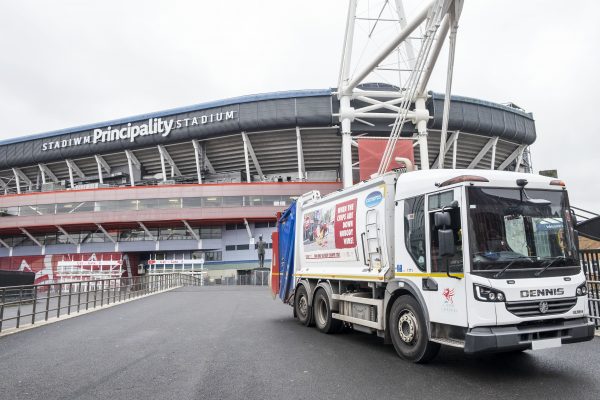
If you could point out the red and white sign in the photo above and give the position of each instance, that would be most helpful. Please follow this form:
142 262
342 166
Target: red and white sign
345 224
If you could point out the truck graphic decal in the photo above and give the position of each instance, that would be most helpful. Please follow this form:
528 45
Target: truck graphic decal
330 232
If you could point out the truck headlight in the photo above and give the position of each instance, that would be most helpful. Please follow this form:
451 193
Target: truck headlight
484 293
581 289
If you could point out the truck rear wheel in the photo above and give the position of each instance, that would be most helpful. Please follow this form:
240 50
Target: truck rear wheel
409 332
322 314
302 306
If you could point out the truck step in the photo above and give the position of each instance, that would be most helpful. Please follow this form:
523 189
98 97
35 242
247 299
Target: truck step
450 342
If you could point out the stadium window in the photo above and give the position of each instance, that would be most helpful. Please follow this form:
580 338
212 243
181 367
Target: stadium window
233 201
212 201
212 256
210 232
192 202
230 247
243 247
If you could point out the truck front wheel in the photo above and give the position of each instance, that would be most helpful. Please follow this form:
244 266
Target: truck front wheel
302 307
409 332
322 310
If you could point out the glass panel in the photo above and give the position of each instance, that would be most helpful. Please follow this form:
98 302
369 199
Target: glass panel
439 200
9 211
169 203
214 201
210 232
527 229
272 201
254 201
145 204
29 210
85 206
127 205
232 201
455 263
46 209
414 230
174 234
192 202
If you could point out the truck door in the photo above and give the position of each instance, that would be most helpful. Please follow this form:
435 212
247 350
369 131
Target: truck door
445 295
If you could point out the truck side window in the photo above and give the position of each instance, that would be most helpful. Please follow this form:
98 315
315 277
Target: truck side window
414 230
436 203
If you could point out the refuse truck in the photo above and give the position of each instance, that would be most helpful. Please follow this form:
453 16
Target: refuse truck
486 261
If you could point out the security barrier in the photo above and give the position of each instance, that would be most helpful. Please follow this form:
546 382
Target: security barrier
590 259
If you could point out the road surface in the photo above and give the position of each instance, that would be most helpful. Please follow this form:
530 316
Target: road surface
238 343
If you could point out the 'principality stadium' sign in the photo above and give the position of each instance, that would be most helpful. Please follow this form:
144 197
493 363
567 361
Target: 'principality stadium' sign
152 126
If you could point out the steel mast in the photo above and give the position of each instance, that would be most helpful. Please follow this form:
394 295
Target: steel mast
433 21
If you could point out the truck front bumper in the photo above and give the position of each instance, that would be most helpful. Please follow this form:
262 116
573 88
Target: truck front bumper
520 337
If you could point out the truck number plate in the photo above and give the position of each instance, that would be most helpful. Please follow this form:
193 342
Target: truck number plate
545 344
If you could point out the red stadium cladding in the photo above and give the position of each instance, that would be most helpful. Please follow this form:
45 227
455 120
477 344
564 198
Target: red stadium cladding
370 151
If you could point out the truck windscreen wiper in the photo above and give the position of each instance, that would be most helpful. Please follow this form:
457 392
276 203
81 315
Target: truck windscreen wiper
499 273
549 265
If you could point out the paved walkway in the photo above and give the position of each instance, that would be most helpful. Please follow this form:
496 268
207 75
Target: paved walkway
237 343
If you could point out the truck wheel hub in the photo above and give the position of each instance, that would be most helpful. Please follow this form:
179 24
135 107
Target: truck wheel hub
407 327
302 305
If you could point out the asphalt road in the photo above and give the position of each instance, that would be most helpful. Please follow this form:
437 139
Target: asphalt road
238 343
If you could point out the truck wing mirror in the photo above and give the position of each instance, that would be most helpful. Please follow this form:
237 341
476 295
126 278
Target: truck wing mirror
442 219
446 243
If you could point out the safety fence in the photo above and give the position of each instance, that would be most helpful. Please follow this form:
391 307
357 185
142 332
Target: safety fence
254 278
31 304
590 259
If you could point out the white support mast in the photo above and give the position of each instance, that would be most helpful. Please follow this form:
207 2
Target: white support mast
406 98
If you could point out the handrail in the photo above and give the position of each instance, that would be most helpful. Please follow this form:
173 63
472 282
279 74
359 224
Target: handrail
32 303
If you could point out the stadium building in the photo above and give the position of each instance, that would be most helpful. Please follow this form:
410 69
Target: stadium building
192 188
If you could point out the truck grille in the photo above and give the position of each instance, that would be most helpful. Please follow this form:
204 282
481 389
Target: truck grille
534 308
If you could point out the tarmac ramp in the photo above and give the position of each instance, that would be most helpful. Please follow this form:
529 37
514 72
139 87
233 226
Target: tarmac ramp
238 343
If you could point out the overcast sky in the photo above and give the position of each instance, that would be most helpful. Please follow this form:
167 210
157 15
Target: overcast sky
68 63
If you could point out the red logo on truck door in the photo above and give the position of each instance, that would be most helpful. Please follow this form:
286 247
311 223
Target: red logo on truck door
448 295
345 224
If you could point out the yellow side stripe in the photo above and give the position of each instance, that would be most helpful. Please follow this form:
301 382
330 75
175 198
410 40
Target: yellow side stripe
428 275
357 277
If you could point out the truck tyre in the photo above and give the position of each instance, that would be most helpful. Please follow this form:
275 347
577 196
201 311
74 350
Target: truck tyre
322 314
409 332
302 307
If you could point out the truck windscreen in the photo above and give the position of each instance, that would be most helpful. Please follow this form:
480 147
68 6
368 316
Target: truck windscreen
520 229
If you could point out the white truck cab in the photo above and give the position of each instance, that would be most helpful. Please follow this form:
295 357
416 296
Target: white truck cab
482 260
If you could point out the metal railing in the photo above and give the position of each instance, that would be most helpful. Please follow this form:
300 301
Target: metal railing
256 278
590 259
30 304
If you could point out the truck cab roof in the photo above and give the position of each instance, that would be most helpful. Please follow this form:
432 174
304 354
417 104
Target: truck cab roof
415 183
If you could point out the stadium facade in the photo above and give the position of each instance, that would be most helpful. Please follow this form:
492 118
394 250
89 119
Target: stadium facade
194 187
